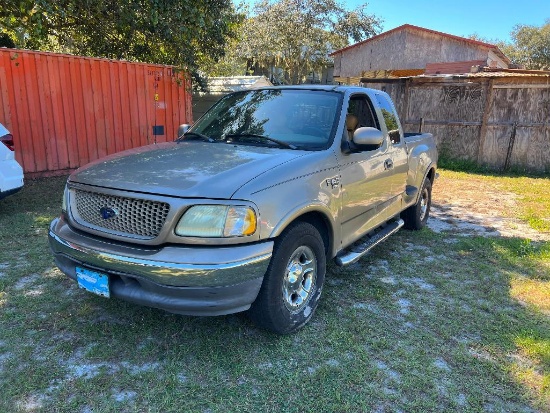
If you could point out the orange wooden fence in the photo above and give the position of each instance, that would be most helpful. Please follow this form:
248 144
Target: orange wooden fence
65 111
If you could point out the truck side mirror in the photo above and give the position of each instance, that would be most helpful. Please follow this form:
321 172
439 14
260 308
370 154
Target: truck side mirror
182 129
368 136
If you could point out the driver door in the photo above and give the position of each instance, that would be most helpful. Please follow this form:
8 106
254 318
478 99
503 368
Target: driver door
366 178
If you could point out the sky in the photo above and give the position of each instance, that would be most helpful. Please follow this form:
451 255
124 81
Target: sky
493 20
490 19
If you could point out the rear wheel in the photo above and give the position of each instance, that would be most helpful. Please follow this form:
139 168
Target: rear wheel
292 284
416 216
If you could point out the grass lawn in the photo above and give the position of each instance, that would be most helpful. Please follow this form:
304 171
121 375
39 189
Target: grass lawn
428 322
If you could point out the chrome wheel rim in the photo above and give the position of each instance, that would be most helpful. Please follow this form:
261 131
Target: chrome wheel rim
299 279
424 202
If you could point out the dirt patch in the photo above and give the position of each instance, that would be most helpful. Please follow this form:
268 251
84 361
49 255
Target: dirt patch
477 208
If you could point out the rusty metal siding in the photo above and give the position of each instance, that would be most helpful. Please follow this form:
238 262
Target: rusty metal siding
65 111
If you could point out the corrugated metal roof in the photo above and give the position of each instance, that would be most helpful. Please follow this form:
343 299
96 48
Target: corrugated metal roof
379 74
407 72
421 73
517 71
507 74
541 76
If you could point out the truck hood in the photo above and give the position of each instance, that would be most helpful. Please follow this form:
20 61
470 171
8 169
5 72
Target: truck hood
185 169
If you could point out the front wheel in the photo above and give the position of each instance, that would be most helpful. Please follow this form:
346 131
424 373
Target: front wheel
416 216
292 284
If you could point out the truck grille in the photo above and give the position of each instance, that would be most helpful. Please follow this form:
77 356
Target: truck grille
138 217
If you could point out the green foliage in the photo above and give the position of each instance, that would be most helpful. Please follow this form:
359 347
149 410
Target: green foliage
530 46
451 163
296 36
229 64
175 32
357 25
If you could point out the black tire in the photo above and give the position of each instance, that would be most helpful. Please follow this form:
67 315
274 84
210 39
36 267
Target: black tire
417 215
293 282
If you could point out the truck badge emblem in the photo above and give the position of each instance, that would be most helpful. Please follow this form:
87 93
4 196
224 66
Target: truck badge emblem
334 182
107 213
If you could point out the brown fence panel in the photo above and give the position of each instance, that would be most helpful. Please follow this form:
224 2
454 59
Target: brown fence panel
65 111
499 121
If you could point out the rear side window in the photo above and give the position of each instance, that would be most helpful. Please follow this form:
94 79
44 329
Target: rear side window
390 118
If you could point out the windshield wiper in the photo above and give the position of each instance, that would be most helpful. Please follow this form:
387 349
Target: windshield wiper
195 135
262 137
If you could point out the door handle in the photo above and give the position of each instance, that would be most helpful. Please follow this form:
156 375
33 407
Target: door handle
388 164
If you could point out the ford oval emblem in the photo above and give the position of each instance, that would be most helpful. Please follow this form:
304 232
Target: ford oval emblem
107 213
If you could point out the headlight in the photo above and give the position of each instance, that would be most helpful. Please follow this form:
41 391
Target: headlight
217 221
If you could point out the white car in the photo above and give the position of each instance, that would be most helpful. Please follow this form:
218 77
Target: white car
11 173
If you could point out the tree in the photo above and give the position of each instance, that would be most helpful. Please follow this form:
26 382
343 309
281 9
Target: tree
530 46
357 24
230 64
298 35
175 32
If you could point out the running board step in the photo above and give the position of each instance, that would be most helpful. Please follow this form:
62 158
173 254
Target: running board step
365 244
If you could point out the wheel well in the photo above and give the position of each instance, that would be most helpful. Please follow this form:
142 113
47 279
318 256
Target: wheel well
322 224
431 175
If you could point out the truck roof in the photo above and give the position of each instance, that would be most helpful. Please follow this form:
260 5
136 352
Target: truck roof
333 88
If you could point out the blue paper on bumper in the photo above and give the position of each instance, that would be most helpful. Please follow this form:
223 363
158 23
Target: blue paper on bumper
93 281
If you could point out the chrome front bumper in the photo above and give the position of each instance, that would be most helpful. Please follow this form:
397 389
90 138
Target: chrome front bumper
181 279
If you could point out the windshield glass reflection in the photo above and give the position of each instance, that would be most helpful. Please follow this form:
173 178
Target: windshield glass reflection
303 119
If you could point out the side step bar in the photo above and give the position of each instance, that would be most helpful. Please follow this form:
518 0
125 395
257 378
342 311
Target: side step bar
365 244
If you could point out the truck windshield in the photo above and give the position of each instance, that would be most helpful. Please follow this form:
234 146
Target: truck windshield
283 118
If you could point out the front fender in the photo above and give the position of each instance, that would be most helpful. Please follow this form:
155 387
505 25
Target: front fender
302 210
318 215
308 186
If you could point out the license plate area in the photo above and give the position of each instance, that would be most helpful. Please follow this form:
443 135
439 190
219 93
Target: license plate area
93 281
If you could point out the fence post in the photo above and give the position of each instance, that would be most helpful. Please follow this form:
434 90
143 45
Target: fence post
486 112
405 113
510 147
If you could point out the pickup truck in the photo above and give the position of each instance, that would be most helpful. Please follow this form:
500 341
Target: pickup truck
242 211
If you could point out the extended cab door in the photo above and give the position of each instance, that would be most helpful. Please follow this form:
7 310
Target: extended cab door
397 150
366 174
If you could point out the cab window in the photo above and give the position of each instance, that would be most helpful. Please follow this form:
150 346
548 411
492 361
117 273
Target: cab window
361 107
390 118
361 114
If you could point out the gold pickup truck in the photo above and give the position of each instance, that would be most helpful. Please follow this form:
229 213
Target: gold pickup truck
242 211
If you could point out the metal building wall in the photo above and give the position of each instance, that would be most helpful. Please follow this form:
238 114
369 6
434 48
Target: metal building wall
65 111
